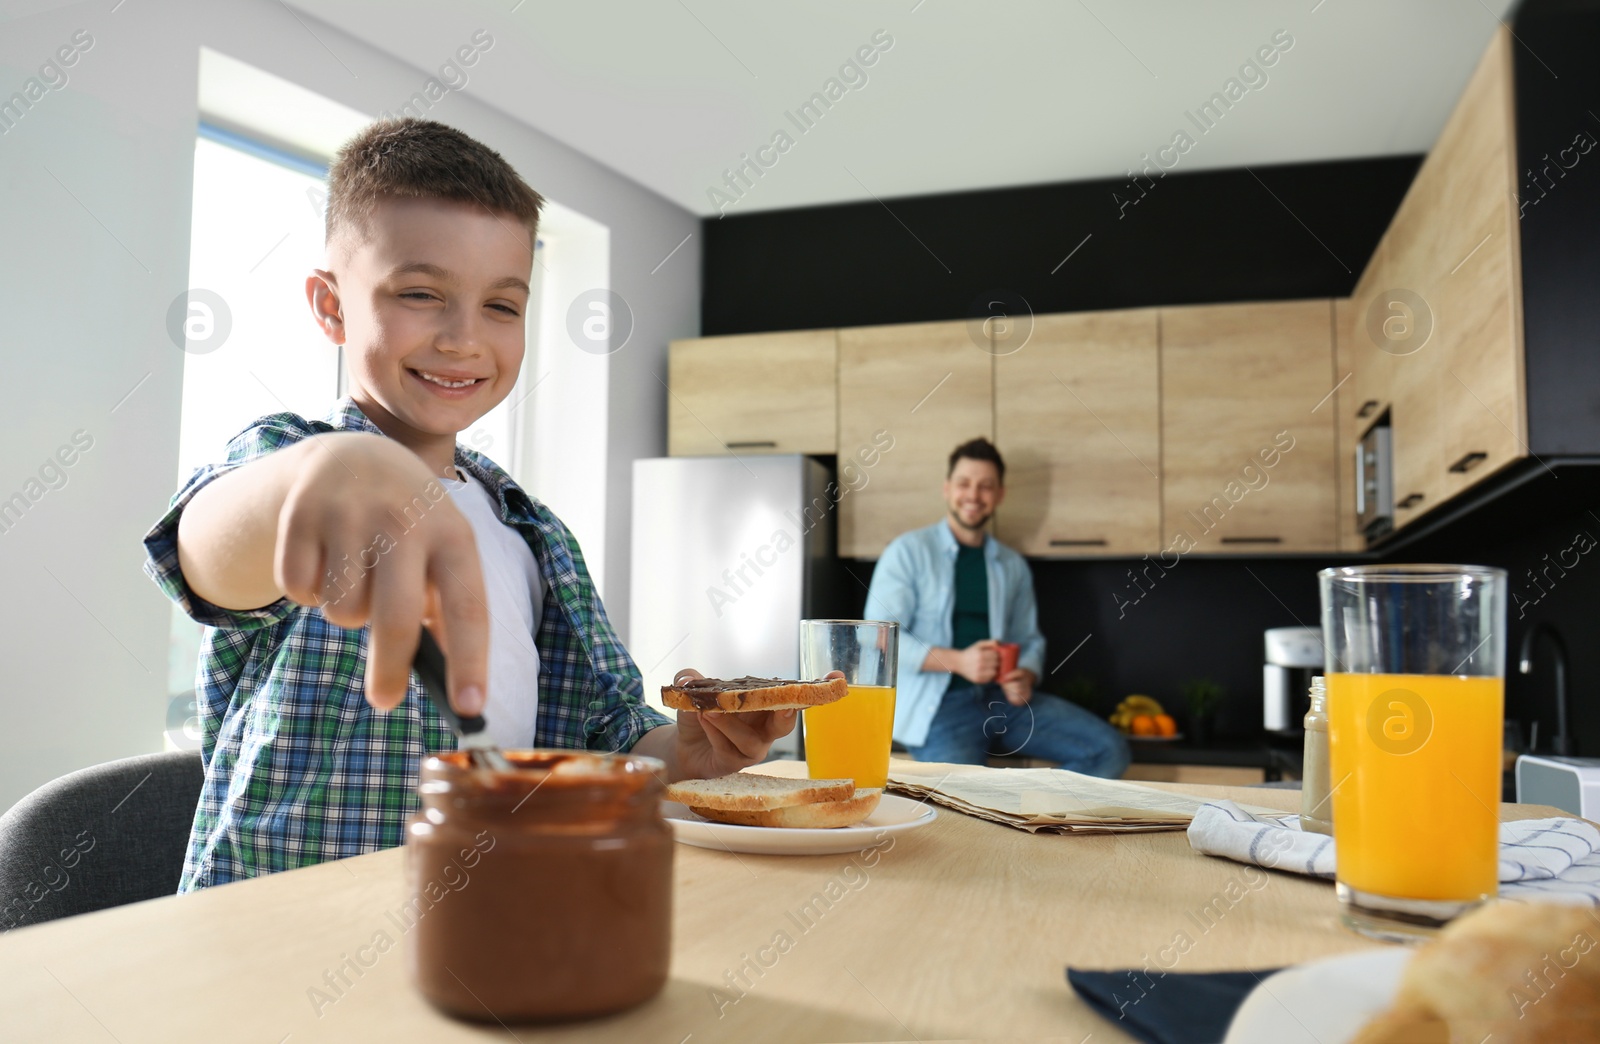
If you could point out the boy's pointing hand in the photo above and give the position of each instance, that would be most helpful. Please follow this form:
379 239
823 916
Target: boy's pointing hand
371 537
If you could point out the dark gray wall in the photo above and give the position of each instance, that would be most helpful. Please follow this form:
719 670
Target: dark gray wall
1557 71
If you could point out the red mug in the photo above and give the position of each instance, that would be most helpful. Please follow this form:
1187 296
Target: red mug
1009 651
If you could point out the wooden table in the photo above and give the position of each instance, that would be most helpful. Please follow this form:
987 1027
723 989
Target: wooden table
960 930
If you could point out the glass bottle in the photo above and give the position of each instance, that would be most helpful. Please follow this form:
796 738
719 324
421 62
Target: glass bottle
1316 809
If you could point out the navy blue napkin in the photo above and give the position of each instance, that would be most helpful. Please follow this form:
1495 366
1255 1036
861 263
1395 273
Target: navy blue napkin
1167 1007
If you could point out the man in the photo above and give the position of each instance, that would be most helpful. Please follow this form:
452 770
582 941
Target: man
957 593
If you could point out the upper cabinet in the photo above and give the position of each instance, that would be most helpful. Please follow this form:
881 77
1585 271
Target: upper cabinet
758 393
1434 328
913 393
1077 414
1477 278
1248 427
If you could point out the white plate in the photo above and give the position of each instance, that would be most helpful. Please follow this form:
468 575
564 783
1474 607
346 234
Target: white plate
1320 1002
894 815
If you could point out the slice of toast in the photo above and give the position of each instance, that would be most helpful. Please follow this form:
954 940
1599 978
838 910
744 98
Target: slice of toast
754 792
1405 1027
818 815
752 694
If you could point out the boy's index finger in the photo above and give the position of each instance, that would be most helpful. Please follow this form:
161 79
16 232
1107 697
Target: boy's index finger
396 607
464 623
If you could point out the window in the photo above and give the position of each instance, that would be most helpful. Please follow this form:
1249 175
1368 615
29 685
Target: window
253 348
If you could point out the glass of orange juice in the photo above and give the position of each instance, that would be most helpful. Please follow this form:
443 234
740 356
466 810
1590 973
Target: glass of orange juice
850 738
1415 666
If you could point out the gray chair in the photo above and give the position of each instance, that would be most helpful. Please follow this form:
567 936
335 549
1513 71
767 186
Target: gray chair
97 838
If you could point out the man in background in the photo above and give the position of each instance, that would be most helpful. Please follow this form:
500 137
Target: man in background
957 594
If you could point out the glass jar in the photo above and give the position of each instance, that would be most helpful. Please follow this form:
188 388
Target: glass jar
1316 809
539 894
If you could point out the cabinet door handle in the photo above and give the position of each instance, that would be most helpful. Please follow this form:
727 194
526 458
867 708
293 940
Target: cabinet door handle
768 444
1367 408
1253 540
1410 501
1470 461
1097 542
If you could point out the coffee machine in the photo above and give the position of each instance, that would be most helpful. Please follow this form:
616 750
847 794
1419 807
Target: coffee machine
1294 656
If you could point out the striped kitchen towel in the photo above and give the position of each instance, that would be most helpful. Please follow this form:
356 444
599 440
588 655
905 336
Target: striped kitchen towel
1552 859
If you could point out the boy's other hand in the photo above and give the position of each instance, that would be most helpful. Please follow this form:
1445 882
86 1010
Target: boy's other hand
370 536
715 743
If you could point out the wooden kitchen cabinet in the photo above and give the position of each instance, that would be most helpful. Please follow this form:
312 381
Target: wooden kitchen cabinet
921 389
1247 454
1351 418
755 393
1077 415
1471 180
1446 279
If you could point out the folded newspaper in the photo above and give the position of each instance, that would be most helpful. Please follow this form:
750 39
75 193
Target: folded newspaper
1052 800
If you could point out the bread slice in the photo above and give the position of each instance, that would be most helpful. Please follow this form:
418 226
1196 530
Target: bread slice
1404 1027
818 815
754 792
1512 972
752 694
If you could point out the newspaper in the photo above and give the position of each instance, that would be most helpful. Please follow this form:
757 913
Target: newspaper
1051 800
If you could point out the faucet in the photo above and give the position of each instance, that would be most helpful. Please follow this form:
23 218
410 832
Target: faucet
1563 740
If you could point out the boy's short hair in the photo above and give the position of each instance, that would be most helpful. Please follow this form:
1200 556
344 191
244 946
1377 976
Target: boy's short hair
979 448
412 158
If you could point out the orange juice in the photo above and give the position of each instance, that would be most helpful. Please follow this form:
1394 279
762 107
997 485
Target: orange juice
1414 764
850 738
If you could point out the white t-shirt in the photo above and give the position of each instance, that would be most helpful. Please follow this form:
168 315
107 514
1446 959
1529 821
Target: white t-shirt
516 595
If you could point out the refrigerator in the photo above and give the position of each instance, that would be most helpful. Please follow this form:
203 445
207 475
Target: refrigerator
729 555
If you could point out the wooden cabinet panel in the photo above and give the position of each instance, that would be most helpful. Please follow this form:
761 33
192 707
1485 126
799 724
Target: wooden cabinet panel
1349 424
1471 183
1247 455
1370 388
929 387
1396 365
1078 419
757 393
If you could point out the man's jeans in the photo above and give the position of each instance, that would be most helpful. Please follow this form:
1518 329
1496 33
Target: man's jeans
977 720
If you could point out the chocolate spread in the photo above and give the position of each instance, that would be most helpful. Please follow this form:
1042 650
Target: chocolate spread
736 684
702 692
543 893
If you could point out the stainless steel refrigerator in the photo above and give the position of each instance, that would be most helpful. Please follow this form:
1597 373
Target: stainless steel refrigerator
729 554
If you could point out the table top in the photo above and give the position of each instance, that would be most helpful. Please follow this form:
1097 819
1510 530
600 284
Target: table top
960 930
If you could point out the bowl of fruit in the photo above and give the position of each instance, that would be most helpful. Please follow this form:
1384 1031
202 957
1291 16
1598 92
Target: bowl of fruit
1142 718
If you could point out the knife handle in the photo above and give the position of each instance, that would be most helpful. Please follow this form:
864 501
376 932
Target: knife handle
429 667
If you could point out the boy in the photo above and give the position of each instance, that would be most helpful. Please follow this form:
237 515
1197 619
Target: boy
317 549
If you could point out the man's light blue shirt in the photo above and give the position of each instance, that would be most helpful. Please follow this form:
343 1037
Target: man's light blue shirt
914 585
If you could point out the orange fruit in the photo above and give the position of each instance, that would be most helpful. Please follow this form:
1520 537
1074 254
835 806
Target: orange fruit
1144 725
1165 726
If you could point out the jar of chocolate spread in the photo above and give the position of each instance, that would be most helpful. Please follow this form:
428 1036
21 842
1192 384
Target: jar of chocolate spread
543 893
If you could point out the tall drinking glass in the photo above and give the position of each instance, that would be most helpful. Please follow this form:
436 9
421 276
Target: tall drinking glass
851 737
1415 666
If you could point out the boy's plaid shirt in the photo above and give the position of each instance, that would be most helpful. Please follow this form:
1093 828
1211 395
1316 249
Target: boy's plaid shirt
298 767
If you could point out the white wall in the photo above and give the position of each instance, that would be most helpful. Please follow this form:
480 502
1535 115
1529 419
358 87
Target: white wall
94 204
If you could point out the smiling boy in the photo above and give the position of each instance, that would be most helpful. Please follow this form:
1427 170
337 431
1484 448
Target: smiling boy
317 549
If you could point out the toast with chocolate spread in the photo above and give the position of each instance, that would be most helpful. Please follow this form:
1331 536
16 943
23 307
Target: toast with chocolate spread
752 694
